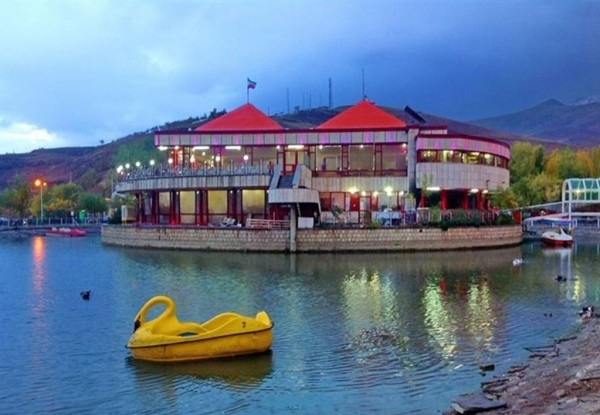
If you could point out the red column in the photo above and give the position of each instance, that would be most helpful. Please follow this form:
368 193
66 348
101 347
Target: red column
465 200
479 200
444 199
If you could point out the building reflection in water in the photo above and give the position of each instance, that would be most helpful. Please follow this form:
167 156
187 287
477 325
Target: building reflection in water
440 322
391 310
459 312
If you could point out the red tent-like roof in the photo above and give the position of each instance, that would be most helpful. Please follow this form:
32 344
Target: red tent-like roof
245 118
360 116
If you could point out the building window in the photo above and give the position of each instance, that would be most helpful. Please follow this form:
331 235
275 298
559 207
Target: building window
202 157
338 200
217 205
253 203
360 157
472 157
164 207
187 207
232 156
447 156
325 199
393 157
428 156
267 155
329 158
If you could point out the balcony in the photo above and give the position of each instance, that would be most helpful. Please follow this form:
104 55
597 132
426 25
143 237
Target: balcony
168 177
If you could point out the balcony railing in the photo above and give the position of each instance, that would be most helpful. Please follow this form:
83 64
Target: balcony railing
199 171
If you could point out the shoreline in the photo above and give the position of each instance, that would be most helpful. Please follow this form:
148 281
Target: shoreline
560 378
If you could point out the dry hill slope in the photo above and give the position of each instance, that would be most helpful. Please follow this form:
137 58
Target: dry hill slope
574 125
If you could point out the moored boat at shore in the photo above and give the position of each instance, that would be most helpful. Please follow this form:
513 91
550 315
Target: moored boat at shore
557 238
64 231
166 339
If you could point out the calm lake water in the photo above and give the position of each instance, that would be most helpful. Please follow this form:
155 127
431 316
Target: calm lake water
354 333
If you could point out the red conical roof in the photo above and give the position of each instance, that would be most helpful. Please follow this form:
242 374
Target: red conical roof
245 118
361 116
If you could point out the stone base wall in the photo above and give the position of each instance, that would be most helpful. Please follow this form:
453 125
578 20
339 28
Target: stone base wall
407 239
311 240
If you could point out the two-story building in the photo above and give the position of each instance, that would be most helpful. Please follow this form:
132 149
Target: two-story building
360 162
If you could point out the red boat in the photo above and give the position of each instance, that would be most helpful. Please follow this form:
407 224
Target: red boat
65 232
557 238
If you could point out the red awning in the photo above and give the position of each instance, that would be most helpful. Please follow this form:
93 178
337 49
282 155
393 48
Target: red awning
244 118
361 116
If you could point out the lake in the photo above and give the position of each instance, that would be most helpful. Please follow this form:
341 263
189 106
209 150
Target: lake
389 333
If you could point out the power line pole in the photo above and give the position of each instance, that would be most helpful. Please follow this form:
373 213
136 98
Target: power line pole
364 96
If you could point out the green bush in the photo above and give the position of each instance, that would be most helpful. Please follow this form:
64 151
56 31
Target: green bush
504 219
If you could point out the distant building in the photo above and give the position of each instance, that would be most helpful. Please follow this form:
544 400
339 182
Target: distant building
363 160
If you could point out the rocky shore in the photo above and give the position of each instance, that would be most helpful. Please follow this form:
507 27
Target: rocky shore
560 378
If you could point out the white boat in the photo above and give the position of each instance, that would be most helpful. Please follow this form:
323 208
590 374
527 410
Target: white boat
557 238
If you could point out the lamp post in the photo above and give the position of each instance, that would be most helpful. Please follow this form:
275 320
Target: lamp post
41 184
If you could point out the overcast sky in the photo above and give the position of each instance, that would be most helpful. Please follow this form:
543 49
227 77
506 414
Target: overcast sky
73 73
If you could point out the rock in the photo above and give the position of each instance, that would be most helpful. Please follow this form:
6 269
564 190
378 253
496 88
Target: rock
475 403
488 367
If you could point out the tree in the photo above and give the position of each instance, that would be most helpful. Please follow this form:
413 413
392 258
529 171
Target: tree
64 199
595 157
18 196
584 163
504 199
563 163
93 203
526 159
546 188
524 191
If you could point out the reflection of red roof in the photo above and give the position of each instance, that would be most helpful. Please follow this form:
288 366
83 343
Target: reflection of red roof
362 115
247 117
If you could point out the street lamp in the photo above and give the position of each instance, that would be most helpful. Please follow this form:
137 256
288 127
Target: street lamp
41 184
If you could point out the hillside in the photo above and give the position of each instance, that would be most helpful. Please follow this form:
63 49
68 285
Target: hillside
575 125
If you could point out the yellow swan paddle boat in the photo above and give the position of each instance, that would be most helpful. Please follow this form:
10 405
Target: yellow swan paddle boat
166 339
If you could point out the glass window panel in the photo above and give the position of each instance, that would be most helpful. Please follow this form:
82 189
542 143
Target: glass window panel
447 156
266 155
203 157
427 156
338 200
393 157
164 207
360 157
187 206
472 157
329 158
253 201
387 201
217 202
164 202
232 157
325 199
488 159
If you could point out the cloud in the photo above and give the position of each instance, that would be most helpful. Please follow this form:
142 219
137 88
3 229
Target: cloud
19 137
90 71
